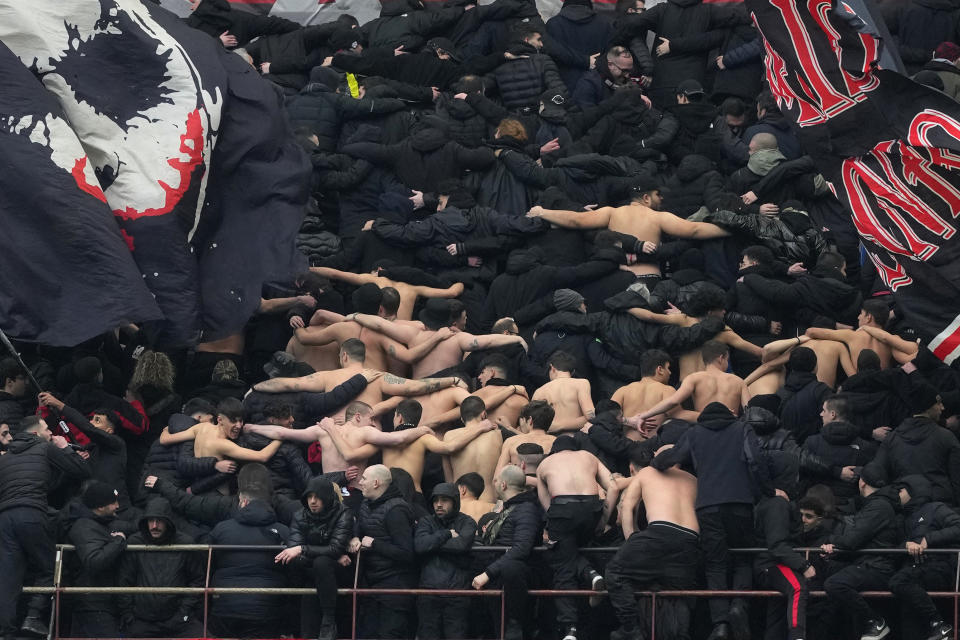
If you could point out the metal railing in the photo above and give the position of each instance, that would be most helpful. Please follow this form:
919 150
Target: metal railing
58 589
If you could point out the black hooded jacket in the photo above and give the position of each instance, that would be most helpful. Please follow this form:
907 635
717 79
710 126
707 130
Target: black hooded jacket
925 519
326 533
802 398
254 524
920 446
445 560
97 552
822 292
389 521
32 467
159 569
714 449
164 461
839 445
215 16
696 183
877 525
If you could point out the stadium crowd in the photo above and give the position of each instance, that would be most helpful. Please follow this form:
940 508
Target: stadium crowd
571 284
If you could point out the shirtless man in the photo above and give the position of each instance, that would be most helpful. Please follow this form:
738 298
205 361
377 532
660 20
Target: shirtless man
471 487
665 553
408 292
493 376
636 219
568 490
437 316
217 440
535 420
356 431
569 396
352 360
874 313
649 391
409 456
711 385
769 376
383 353
482 452
903 351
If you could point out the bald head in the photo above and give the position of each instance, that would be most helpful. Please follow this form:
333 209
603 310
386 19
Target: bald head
763 142
375 481
512 476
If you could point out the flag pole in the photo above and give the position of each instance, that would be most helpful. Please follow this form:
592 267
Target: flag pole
26 370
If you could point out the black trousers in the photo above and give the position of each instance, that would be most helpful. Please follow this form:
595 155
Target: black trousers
662 556
843 590
791 621
95 624
221 627
514 580
386 617
177 629
571 523
443 617
25 540
910 586
723 527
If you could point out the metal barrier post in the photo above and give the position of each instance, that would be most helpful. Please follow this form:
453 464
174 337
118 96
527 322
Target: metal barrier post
503 614
53 629
956 598
206 591
653 616
353 596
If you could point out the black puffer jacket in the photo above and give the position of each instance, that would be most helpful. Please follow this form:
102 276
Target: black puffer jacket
877 399
696 183
326 533
920 446
793 240
839 445
453 225
526 279
631 129
324 111
629 336
464 124
213 17
288 467
698 131
772 437
163 460
32 467
405 24
747 313
822 292
11 409
424 160
255 524
159 569
918 26
445 560
877 525
522 81
584 32
521 529
98 554
924 518
681 288
389 520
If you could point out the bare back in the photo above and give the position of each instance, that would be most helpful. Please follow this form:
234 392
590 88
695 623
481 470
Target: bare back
410 458
476 509
507 412
713 385
545 440
479 456
641 222
204 444
439 402
443 356
862 340
669 496
828 358
322 358
570 473
639 396
563 395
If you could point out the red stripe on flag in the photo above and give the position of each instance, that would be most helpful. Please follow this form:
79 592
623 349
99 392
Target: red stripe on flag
795 604
948 346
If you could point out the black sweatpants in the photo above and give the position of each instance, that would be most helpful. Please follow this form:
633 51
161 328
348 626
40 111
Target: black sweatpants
793 617
910 586
843 589
24 540
724 527
514 579
663 555
571 524
443 617
387 616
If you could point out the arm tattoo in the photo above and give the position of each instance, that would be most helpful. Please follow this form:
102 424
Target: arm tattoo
389 378
475 344
392 351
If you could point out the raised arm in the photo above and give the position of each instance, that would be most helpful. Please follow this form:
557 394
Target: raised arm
377 438
317 336
313 382
394 330
777 348
598 219
453 291
606 480
396 386
167 438
903 350
470 342
306 436
349 452
680 228
732 338
675 399
345 276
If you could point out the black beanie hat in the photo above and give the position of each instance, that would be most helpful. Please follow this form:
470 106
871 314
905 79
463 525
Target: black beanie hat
923 396
871 476
99 494
86 369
